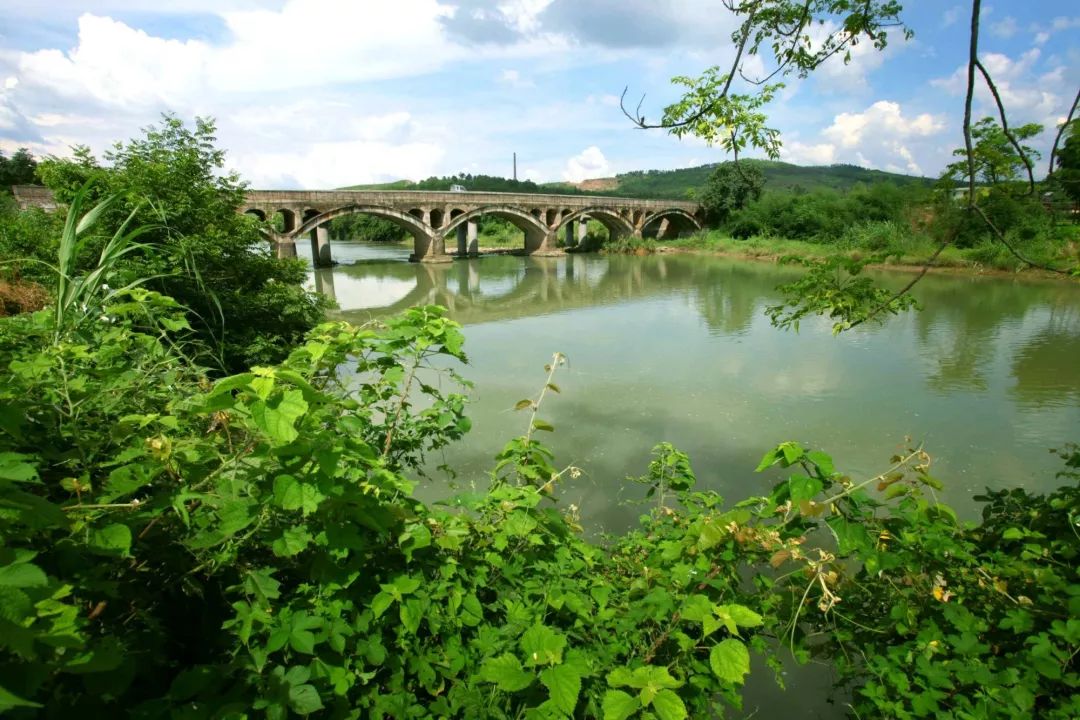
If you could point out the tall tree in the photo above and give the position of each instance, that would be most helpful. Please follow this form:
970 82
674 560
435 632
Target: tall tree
19 169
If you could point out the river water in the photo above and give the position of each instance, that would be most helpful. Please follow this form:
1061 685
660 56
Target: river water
678 348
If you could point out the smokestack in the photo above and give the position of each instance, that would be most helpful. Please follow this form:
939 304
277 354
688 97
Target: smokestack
515 167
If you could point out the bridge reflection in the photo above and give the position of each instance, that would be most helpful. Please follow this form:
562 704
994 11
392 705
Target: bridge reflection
726 295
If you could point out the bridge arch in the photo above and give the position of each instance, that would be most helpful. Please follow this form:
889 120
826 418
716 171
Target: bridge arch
617 225
421 233
672 222
535 230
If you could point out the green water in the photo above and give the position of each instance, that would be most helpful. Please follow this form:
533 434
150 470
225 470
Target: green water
678 348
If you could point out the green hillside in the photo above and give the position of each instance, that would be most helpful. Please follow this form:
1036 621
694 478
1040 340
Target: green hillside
778 176
675 184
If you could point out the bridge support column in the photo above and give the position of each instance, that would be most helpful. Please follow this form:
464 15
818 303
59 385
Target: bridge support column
570 236
582 230
320 248
284 247
435 251
472 236
462 241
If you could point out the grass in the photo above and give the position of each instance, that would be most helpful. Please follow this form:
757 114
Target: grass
901 248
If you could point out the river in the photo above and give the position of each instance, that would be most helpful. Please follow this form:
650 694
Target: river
678 348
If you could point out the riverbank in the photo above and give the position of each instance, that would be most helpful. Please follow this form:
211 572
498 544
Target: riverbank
910 255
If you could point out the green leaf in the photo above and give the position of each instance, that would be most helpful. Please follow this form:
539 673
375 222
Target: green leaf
803 488
21 573
618 705
9 700
823 461
114 539
290 494
743 616
471 612
292 541
730 661
543 425
411 612
276 420
15 468
564 684
380 603
768 460
522 404
542 646
506 672
668 706
304 699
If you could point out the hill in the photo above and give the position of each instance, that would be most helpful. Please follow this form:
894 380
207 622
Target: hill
674 184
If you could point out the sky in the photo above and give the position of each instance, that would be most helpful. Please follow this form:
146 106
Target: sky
326 93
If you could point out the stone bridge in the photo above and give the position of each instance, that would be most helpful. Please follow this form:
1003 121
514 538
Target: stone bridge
431 217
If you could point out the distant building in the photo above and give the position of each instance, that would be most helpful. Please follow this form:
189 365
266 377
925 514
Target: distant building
457 188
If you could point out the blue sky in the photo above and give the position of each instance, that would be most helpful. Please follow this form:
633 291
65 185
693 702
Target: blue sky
323 93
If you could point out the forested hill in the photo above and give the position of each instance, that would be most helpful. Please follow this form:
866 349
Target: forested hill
668 183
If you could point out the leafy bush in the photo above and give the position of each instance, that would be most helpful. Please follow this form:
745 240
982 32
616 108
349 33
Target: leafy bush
246 305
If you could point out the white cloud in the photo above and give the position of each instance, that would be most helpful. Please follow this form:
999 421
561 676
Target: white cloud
590 163
1029 96
951 16
806 154
883 119
1006 27
513 79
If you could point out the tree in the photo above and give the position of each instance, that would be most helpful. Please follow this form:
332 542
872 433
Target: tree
19 169
710 109
731 187
996 158
1068 162
245 303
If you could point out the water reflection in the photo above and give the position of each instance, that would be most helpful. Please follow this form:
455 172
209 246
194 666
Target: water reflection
678 348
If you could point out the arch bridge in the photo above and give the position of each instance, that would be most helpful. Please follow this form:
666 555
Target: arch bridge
432 217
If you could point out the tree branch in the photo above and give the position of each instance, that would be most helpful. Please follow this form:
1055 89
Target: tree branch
1005 127
1060 132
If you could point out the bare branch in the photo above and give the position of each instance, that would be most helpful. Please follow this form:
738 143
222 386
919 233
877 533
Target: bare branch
907 288
1005 127
1060 132
973 58
1012 249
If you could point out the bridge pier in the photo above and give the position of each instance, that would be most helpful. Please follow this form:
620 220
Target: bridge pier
320 248
582 230
570 235
472 236
284 247
462 241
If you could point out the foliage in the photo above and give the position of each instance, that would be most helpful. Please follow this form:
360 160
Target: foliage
835 288
1068 162
29 240
731 187
366 227
823 215
19 169
246 305
175 547
735 121
996 159
710 109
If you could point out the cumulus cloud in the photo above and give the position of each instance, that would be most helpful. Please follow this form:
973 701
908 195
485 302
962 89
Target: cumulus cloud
880 136
882 119
514 79
809 154
590 163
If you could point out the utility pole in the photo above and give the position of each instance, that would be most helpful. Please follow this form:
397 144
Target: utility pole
515 167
